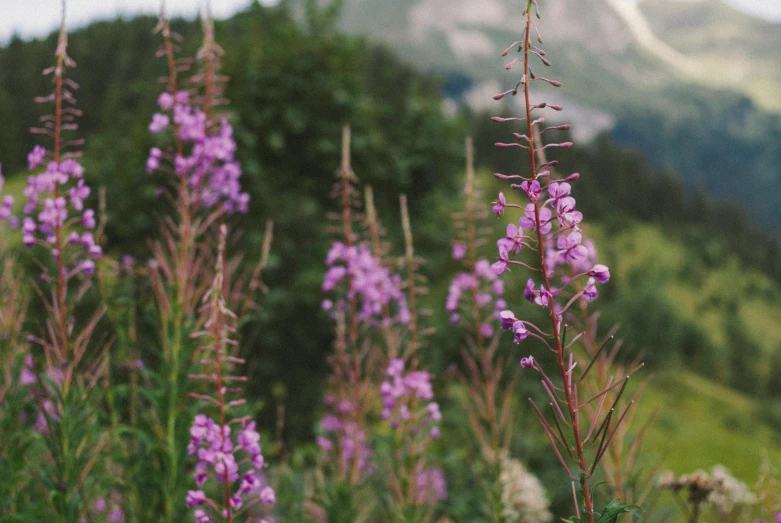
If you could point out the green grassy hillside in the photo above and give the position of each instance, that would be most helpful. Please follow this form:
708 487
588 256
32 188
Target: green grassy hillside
702 423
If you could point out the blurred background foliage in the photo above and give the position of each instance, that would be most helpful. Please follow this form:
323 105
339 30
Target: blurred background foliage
696 287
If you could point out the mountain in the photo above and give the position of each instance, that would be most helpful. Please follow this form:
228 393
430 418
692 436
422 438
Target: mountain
730 49
694 85
640 46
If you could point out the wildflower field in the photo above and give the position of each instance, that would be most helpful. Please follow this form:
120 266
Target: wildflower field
259 270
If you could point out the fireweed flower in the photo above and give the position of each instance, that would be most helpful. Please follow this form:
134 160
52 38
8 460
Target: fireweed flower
228 451
372 285
343 441
414 418
499 205
207 164
401 393
459 250
481 288
564 272
55 210
7 205
361 294
115 514
431 486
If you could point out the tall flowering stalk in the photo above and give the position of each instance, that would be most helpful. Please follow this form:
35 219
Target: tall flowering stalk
407 399
234 466
556 246
361 289
627 482
203 177
369 298
380 249
475 299
52 195
415 484
59 227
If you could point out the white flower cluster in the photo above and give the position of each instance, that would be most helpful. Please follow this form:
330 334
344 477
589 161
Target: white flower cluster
523 496
728 492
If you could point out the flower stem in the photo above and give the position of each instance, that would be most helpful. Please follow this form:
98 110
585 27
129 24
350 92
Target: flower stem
559 348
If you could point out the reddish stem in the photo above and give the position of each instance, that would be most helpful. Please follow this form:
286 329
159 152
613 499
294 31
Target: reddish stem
217 336
61 283
589 505
185 227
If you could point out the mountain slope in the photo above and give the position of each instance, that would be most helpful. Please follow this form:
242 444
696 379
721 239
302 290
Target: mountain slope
683 81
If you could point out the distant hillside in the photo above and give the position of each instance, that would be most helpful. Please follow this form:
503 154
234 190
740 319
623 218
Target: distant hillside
732 50
643 46
682 81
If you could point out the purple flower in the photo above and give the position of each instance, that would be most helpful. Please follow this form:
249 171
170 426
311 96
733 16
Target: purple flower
483 270
159 123
532 189
513 239
267 496
431 486
195 498
72 168
27 376
588 262
566 213
373 285
330 423
324 443
116 516
88 219
530 292
590 292
499 205
559 190
153 162
570 248
85 266
501 264
44 224
528 222
399 394
217 457
527 363
77 195
210 168
165 101
519 331
600 272
459 250
35 157
7 208
508 319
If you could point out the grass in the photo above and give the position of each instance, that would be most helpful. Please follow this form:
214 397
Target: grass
702 423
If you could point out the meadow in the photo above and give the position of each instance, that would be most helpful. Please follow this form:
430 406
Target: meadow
256 270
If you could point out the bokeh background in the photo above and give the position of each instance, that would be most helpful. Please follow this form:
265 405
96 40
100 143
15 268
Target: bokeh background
676 112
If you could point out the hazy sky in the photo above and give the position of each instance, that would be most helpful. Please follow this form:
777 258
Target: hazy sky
33 18
770 9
